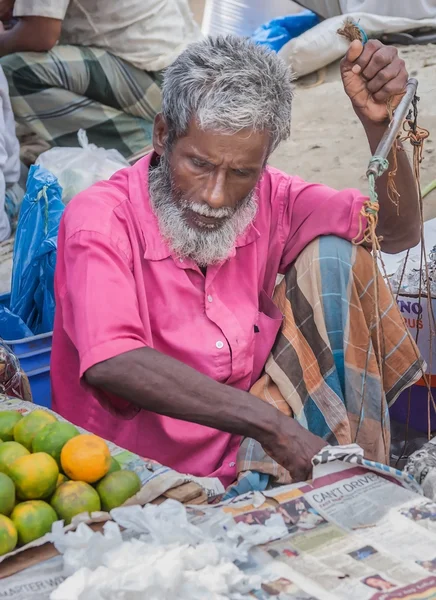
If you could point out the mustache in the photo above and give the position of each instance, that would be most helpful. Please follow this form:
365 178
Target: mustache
224 212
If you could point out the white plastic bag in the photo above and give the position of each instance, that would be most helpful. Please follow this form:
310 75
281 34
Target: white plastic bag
322 45
78 168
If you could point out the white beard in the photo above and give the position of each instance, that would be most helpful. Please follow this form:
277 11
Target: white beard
208 245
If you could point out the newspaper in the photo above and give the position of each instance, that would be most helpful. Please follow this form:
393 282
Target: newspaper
357 531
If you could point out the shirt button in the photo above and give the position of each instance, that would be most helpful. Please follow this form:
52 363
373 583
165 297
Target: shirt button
209 298
232 464
219 344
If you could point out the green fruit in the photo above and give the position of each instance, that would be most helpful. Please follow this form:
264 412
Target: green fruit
7 494
26 429
117 487
8 535
73 498
52 438
115 466
9 452
32 520
35 476
61 479
8 420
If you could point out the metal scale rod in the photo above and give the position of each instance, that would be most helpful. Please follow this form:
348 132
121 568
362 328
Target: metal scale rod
390 135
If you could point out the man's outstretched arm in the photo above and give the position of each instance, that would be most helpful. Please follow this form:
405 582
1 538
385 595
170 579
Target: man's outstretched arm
164 385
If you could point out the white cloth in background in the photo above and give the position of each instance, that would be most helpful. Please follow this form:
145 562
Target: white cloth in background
9 154
408 9
148 34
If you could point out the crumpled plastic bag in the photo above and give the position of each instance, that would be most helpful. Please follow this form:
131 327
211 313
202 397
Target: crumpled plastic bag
278 32
32 303
171 559
422 465
13 381
411 276
79 168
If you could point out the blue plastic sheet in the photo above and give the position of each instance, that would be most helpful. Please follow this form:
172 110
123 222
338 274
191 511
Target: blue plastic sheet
32 304
276 33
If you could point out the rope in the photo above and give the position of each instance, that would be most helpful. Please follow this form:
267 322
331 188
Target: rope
368 235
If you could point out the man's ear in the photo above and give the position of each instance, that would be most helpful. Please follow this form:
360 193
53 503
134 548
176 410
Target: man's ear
160 134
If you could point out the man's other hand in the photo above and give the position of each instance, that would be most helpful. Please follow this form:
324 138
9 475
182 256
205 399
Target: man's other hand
293 447
373 74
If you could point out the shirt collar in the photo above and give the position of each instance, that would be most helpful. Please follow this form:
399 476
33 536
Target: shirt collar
155 246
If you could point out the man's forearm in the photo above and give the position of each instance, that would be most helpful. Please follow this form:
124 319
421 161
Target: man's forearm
400 228
30 34
161 384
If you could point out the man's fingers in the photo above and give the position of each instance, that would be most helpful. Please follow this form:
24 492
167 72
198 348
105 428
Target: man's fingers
299 475
367 53
380 59
395 87
383 77
354 51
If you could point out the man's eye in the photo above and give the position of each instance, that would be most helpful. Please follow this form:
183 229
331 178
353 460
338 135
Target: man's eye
199 163
240 173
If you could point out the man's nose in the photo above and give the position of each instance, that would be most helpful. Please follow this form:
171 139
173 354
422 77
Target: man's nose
215 191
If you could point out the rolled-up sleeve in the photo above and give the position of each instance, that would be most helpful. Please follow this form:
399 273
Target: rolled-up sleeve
311 210
102 319
52 9
100 308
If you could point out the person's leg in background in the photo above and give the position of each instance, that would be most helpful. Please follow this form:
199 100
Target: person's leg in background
56 93
323 369
12 173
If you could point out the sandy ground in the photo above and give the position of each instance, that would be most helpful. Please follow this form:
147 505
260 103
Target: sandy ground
328 144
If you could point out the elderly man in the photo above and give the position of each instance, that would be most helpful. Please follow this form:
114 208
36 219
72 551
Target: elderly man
166 273
92 64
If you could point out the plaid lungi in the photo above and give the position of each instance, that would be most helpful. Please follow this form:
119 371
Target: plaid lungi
323 368
56 93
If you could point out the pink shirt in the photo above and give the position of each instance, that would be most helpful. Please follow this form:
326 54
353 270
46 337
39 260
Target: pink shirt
118 288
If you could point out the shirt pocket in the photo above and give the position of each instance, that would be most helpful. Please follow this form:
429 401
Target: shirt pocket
268 323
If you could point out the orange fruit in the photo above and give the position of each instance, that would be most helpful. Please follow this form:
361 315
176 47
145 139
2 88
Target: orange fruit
8 535
117 487
32 520
52 438
73 498
27 428
8 420
9 452
61 479
85 457
7 495
35 476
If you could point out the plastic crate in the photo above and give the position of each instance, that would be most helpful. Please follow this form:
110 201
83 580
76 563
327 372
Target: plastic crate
34 354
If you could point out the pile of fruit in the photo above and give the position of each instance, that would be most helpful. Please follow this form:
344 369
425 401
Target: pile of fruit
49 471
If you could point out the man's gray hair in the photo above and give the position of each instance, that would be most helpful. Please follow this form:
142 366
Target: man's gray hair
228 83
